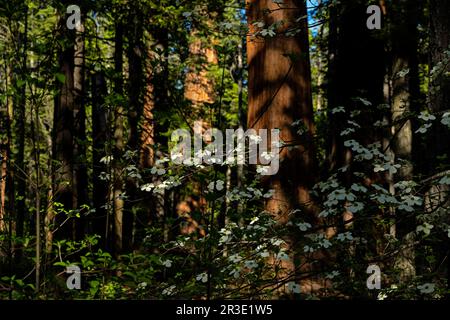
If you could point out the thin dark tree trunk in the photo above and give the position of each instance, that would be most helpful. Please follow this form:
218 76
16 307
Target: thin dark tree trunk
242 118
117 180
35 129
135 109
4 172
440 84
80 184
99 137
161 90
20 122
440 103
356 71
404 93
7 189
9 182
63 131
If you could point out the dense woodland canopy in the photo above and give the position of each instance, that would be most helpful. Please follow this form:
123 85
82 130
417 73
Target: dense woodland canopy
86 174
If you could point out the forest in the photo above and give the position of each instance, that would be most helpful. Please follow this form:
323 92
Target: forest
224 149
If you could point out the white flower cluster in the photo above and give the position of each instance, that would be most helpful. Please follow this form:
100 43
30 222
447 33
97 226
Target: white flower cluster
160 188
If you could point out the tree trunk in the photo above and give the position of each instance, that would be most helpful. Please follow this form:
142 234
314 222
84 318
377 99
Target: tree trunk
440 103
136 86
242 118
63 129
117 182
440 84
147 147
8 175
404 93
80 183
161 84
99 137
356 71
3 175
4 155
35 129
147 139
279 93
6 172
21 176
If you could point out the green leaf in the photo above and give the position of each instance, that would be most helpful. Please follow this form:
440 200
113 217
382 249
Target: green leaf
445 180
20 83
60 264
60 77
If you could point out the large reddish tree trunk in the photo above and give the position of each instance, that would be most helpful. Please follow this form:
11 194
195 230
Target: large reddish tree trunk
279 92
